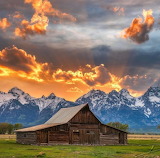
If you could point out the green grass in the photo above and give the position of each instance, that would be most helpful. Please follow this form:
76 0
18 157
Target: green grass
135 148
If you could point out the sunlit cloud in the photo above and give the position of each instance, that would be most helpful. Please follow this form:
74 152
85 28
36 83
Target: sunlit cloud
40 20
4 23
75 90
14 61
140 28
91 76
45 7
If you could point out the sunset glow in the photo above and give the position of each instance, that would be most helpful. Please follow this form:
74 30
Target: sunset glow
71 47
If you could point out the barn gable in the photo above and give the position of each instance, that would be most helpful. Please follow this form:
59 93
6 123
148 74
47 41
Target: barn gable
85 116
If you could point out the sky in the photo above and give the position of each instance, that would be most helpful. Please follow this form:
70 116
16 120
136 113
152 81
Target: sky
70 47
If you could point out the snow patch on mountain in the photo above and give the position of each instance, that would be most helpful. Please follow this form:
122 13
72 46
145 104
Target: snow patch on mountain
139 103
5 97
154 99
147 112
21 96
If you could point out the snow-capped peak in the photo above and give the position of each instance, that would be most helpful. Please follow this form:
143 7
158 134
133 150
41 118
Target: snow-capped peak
93 93
126 94
51 96
20 95
16 91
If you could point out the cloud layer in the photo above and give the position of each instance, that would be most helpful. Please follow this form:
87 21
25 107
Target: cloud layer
17 62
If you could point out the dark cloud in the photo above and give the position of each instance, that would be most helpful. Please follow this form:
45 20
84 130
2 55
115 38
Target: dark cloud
138 83
17 59
102 76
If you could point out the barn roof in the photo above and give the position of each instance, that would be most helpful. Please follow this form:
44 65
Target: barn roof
61 117
38 127
64 115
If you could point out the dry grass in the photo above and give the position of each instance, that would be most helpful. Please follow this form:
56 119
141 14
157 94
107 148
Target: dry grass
7 136
143 137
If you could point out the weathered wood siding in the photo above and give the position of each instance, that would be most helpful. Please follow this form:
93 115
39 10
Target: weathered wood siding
56 135
26 137
84 134
84 116
111 136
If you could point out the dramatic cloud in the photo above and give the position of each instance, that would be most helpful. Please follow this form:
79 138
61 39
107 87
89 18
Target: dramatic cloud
40 20
137 84
18 62
38 25
4 23
91 76
45 7
140 28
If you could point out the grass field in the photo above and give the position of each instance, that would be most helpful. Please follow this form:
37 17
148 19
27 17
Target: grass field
135 149
130 136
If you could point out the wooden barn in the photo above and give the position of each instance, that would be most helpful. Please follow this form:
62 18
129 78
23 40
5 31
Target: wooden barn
74 125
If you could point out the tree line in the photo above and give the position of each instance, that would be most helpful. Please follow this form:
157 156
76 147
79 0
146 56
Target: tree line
118 125
7 128
121 126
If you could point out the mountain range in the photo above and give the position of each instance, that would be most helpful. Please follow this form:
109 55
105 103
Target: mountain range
140 113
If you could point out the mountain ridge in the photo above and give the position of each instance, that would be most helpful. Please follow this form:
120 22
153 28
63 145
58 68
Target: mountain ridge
16 106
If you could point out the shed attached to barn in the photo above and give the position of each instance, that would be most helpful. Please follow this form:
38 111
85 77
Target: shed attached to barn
73 125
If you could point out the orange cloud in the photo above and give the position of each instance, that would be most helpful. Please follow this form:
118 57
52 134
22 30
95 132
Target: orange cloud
118 10
75 90
38 25
17 15
140 28
91 76
39 21
4 23
45 7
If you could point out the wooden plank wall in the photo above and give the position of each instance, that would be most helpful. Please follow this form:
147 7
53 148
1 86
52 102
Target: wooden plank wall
84 116
58 137
84 134
26 137
111 136
55 134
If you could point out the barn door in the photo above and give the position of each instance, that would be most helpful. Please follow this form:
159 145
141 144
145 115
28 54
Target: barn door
92 136
42 137
121 138
75 137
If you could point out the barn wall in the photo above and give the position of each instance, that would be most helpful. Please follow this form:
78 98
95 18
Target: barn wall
26 137
111 136
84 116
54 135
84 134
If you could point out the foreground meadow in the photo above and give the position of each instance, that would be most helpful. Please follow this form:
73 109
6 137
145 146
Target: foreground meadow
135 148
